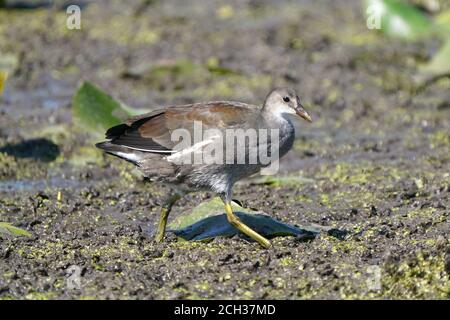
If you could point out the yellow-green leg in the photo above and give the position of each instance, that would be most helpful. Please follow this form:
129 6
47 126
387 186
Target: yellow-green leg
164 215
238 224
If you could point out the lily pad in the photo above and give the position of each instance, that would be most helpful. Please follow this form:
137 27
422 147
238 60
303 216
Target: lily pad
204 224
96 111
398 19
8 229
202 211
218 225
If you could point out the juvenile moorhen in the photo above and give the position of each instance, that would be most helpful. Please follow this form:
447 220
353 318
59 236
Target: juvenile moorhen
152 142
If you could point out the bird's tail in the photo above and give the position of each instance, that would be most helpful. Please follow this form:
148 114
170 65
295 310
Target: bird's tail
122 152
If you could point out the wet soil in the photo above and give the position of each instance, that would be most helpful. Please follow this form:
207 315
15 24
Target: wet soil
375 161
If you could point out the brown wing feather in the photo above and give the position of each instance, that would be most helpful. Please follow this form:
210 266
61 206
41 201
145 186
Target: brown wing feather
152 131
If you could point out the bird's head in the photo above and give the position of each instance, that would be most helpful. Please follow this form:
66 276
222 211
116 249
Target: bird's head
285 101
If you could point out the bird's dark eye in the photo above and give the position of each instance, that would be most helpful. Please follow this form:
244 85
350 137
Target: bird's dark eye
286 99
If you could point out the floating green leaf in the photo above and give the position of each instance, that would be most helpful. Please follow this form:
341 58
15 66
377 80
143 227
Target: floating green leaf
96 111
8 229
203 210
203 223
218 225
398 19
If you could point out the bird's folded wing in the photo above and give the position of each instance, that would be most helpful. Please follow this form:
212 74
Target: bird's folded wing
152 132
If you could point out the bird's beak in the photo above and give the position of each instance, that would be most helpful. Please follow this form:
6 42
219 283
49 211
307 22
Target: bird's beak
302 113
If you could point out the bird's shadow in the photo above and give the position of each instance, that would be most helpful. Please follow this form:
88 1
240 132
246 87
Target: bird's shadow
38 149
218 225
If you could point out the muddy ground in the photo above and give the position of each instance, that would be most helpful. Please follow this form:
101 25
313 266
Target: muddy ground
375 161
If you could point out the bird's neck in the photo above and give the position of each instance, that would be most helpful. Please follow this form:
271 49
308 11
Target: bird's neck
276 120
286 130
